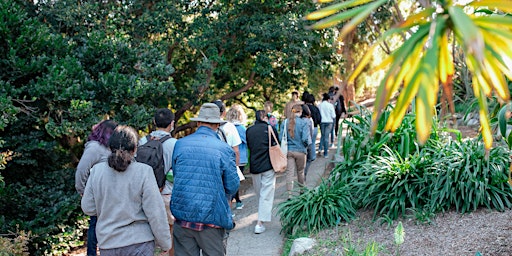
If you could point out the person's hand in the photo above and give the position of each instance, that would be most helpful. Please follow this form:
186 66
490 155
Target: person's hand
164 253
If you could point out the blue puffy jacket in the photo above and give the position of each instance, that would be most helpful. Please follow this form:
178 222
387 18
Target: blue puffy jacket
204 177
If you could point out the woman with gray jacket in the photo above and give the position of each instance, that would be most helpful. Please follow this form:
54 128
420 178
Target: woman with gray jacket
96 151
299 138
123 194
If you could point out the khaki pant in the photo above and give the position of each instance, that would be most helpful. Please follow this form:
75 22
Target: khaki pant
170 218
264 187
296 164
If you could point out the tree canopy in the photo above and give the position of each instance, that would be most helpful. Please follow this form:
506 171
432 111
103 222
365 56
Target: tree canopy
65 65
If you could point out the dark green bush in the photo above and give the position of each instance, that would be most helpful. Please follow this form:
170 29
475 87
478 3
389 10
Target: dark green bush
49 207
390 184
324 206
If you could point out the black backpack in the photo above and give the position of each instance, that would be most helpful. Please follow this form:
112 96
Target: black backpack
152 154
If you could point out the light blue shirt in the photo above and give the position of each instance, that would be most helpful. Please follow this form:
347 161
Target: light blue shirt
302 138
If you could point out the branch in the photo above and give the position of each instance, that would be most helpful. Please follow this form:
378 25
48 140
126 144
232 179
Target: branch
170 51
24 108
185 127
245 104
201 90
246 87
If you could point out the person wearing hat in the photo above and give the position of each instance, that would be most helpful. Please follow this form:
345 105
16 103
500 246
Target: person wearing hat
229 134
205 176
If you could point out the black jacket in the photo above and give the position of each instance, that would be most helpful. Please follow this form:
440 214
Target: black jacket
315 114
257 142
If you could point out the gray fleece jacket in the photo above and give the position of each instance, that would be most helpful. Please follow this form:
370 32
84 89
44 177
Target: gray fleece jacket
94 153
129 207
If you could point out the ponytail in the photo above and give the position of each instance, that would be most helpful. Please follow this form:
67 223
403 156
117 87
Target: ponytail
291 126
119 160
122 143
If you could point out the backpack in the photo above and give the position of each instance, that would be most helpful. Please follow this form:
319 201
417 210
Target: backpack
152 154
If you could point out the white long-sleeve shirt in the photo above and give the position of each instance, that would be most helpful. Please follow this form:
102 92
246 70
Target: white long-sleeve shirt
327 111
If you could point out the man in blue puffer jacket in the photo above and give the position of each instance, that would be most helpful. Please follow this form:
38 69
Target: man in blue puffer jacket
205 177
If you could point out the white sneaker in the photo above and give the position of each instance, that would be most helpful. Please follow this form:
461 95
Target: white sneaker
258 229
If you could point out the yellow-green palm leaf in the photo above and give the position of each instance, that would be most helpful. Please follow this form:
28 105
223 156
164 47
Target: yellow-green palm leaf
423 63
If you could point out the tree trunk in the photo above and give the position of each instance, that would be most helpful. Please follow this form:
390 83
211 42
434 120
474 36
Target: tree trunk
347 89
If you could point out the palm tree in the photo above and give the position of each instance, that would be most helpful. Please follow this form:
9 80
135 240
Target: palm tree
423 63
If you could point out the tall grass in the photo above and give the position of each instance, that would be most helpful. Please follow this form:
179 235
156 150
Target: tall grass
392 175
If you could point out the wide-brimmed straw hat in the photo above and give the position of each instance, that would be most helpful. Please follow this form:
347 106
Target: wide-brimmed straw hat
209 113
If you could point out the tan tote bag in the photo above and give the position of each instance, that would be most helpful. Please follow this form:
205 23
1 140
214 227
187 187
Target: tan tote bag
277 158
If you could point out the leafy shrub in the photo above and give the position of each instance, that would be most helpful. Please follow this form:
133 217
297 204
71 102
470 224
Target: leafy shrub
394 176
16 245
391 184
467 177
324 206
53 216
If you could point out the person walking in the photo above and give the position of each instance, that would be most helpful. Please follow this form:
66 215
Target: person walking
164 123
328 115
96 151
124 195
228 133
263 175
236 115
205 177
310 154
293 101
272 119
317 119
339 108
299 138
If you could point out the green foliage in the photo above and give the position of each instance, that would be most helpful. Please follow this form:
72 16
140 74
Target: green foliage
390 184
324 206
50 211
17 245
399 236
465 178
401 178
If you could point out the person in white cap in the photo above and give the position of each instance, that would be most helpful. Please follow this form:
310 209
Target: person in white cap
205 176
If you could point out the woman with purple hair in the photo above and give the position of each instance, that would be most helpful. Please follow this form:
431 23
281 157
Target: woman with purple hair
96 150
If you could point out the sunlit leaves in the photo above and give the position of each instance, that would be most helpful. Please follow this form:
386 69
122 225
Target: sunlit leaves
424 63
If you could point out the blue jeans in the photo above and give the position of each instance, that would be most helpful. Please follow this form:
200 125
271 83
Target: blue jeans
92 241
313 141
332 130
325 130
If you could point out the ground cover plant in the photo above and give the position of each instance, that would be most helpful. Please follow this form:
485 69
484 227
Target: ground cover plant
394 177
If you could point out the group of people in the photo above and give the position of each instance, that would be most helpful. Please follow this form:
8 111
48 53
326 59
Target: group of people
191 213
302 119
326 116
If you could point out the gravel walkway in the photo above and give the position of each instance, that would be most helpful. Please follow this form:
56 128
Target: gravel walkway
484 231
